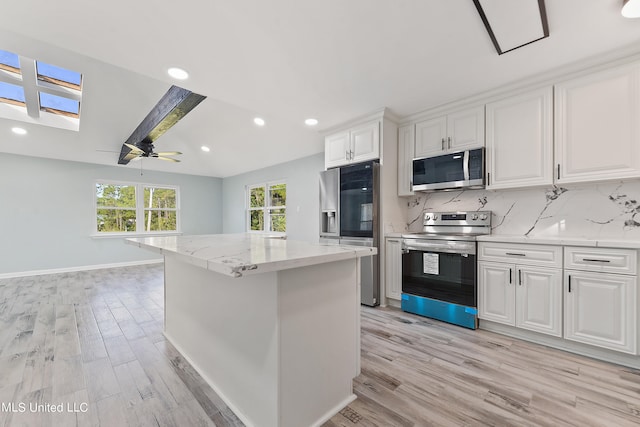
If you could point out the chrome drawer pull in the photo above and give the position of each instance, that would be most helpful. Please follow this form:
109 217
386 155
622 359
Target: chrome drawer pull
595 260
515 254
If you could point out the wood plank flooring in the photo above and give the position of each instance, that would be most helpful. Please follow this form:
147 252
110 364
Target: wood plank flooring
95 338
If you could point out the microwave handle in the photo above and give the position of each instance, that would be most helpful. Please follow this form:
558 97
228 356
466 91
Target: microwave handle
465 165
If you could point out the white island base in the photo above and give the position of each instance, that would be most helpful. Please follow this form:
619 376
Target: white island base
280 348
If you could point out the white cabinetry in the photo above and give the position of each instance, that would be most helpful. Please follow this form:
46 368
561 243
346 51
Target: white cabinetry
597 131
457 131
393 270
356 145
600 306
406 140
521 285
519 145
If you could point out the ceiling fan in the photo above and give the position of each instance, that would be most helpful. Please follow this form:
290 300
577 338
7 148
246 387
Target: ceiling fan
146 150
173 106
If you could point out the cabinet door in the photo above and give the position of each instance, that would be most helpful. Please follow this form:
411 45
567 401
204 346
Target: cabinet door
539 299
465 129
393 264
520 140
600 309
365 142
431 137
597 131
406 140
496 292
336 150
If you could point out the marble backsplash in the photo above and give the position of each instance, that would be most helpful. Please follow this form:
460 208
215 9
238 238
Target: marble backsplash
595 210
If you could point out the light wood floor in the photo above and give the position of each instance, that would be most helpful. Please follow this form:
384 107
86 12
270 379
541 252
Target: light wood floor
95 338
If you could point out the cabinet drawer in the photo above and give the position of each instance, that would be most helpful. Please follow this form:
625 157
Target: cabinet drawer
622 261
525 254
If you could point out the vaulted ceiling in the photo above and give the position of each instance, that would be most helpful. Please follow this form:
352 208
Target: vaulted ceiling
282 60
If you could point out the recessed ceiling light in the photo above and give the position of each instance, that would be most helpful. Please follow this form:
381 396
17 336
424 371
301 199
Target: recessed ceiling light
631 9
178 73
311 122
205 148
258 121
19 131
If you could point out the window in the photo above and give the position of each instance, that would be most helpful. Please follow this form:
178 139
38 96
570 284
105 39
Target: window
266 210
123 208
36 92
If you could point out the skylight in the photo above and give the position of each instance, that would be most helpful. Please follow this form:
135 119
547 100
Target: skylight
57 75
59 105
46 94
9 62
11 94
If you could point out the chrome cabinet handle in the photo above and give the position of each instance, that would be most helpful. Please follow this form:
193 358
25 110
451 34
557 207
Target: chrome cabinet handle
346 155
520 277
509 276
443 143
449 142
352 154
569 283
514 254
595 260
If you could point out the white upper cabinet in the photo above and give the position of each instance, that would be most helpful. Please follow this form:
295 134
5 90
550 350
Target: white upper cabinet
519 145
454 132
359 144
597 126
406 139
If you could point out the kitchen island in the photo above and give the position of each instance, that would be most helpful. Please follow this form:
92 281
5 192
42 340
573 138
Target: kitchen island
272 325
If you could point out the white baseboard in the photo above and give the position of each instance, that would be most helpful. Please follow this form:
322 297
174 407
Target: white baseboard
79 268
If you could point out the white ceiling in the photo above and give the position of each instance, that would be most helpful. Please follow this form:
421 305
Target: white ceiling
283 60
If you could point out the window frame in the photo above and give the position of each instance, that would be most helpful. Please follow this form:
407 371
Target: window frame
266 209
140 210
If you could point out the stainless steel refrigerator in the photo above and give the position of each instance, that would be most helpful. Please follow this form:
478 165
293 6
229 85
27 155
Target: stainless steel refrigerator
349 212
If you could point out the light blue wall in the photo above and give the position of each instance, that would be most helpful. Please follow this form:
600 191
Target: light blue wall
301 177
47 212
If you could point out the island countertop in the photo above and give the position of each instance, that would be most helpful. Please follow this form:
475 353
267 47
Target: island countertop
242 254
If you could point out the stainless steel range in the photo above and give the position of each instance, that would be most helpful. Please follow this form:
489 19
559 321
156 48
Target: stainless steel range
439 267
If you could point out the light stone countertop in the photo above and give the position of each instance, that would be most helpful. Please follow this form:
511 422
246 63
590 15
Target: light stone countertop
241 254
600 242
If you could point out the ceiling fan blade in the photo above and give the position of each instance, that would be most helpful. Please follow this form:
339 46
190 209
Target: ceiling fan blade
136 159
168 159
169 153
134 148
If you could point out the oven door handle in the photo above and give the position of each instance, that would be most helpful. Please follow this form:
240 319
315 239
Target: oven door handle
468 248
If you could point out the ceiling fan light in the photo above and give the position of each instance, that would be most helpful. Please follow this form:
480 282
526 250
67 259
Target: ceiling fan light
631 8
19 131
205 148
178 73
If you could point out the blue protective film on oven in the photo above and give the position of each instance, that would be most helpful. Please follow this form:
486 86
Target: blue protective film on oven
447 312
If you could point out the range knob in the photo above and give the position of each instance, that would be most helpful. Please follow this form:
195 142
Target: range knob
427 217
435 217
474 216
483 216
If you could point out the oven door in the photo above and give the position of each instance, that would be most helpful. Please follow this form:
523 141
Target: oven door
439 280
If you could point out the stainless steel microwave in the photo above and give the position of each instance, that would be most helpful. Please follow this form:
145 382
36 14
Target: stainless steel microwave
464 169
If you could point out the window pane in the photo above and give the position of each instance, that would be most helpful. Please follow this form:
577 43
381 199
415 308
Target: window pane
160 221
257 220
57 75
9 59
58 104
116 220
161 198
256 197
278 195
11 94
278 220
121 196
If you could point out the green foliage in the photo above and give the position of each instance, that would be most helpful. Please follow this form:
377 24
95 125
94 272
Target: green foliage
271 205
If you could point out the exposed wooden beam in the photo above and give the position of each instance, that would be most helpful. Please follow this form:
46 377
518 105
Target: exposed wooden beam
173 106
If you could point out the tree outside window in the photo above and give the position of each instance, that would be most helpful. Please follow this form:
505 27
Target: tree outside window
267 208
136 208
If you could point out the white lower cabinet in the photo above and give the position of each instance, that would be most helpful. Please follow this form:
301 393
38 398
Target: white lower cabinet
527 297
393 268
600 307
